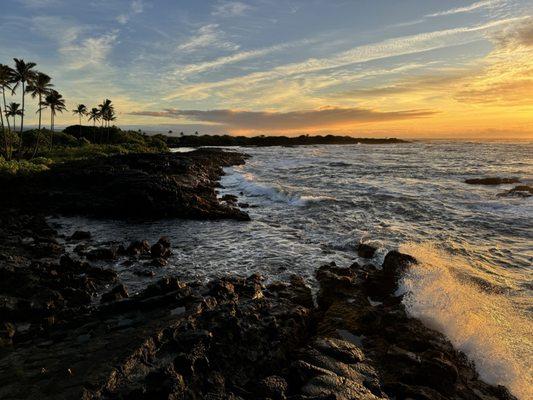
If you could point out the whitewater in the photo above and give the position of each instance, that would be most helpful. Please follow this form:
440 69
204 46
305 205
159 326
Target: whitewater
311 205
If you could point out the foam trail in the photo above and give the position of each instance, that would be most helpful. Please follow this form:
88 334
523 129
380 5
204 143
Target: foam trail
247 183
485 326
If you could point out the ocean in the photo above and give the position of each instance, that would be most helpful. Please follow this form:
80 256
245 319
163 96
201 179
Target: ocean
311 205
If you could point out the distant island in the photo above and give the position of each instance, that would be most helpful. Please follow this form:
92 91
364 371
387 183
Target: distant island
228 140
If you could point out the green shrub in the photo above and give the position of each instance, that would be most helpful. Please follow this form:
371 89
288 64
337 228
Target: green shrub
22 167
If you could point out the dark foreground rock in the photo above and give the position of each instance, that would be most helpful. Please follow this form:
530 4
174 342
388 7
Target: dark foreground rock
492 181
134 185
237 338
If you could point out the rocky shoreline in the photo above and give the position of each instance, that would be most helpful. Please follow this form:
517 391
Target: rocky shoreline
70 329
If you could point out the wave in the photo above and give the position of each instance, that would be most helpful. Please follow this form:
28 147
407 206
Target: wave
487 327
246 183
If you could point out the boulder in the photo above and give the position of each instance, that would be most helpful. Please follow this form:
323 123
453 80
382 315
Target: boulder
365 250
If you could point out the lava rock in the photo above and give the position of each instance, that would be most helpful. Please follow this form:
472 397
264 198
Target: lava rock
80 235
491 181
365 250
119 292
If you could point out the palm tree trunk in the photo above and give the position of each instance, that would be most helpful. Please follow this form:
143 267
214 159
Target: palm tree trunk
4 133
51 129
19 154
36 148
8 136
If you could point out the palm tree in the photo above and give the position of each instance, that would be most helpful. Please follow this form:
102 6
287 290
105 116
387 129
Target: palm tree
81 110
22 73
94 115
6 75
12 110
38 87
106 111
56 103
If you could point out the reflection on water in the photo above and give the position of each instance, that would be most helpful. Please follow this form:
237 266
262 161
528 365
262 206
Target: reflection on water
312 204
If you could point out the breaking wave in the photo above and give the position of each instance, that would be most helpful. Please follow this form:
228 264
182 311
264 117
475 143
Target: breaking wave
487 327
250 187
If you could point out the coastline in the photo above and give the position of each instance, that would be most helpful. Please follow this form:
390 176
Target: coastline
358 341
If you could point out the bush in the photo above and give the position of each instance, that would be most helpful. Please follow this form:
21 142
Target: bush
22 167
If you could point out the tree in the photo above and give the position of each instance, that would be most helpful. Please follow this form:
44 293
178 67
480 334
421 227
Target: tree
94 115
23 73
81 110
6 75
107 112
196 133
12 110
56 103
39 86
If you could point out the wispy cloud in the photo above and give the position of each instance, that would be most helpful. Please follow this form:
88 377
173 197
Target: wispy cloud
230 9
89 51
472 7
40 3
136 7
263 120
196 68
207 36
388 48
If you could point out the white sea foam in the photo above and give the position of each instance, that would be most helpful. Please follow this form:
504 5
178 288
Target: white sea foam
485 326
247 183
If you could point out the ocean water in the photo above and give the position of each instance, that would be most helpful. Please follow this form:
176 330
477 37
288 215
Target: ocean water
311 205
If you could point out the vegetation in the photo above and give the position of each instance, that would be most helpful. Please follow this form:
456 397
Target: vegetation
24 152
227 140
16 141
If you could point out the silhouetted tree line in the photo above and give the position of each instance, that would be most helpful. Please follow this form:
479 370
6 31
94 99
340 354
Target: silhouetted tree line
228 140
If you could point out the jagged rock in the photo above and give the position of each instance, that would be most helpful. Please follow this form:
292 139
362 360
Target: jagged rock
103 254
138 247
119 292
80 235
365 250
132 185
159 251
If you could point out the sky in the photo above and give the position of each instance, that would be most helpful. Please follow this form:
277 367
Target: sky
382 68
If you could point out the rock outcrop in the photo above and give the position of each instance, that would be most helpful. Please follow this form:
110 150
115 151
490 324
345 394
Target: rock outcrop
181 185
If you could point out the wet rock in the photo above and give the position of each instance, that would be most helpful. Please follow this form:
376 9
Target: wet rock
119 292
159 262
103 254
159 251
491 181
365 250
518 191
230 198
80 235
164 241
138 247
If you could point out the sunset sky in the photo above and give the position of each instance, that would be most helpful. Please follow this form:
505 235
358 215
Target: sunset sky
412 68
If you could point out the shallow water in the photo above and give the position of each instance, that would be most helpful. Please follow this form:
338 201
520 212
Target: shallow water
313 204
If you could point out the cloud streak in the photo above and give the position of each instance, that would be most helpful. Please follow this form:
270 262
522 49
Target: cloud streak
207 36
230 9
136 7
398 46
286 121
472 7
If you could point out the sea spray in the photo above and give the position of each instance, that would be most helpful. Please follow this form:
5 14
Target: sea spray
485 326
